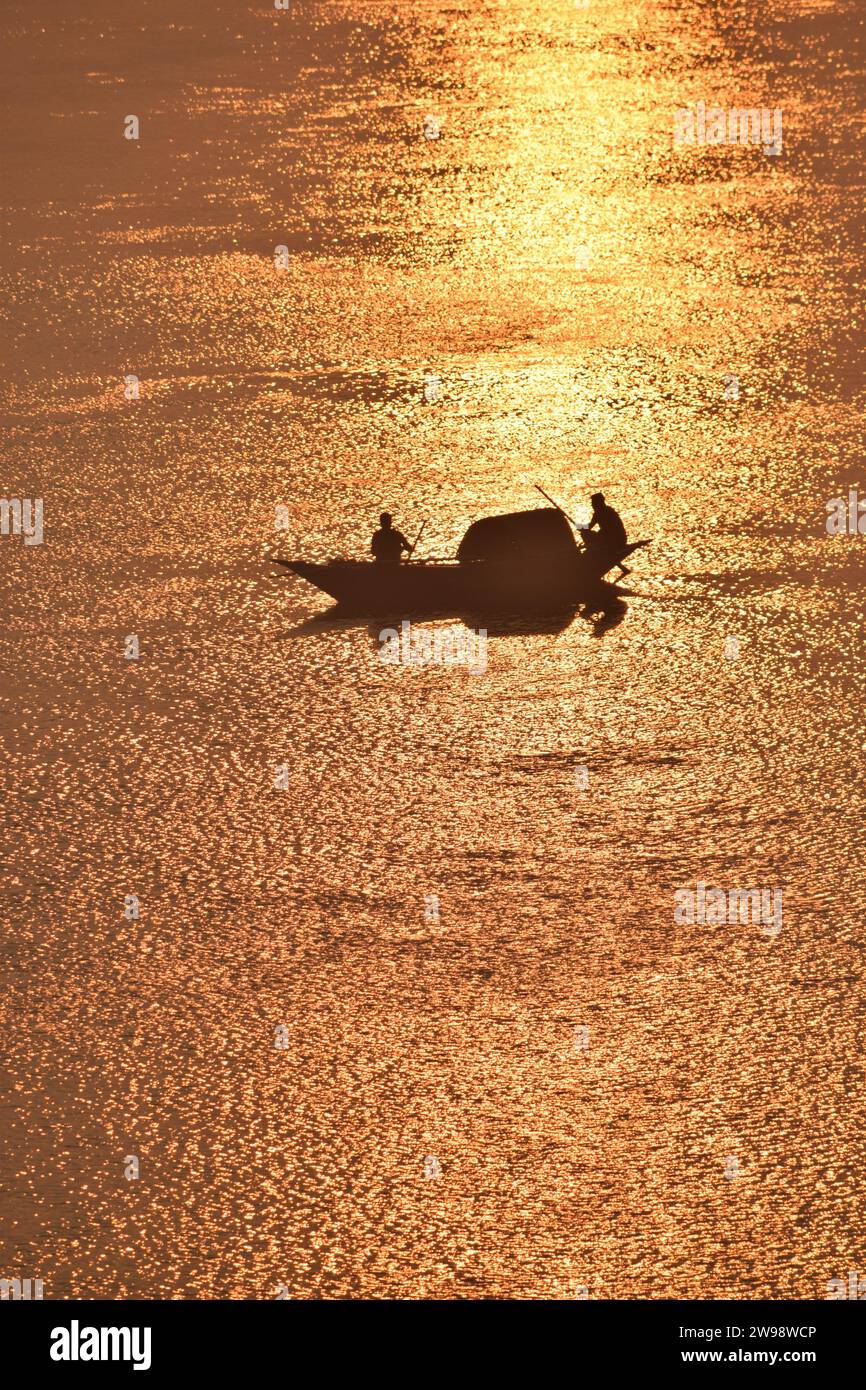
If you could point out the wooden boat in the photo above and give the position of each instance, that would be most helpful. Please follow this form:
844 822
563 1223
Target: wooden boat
504 563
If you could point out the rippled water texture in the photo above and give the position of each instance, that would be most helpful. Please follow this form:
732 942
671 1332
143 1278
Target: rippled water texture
549 292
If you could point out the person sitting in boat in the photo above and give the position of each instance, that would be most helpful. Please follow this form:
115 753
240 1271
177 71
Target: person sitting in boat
611 532
388 544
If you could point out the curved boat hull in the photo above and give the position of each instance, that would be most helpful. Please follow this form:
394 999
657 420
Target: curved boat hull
419 586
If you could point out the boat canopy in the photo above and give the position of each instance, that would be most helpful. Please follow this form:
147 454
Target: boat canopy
542 532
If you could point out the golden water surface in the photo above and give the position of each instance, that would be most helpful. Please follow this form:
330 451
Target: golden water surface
551 291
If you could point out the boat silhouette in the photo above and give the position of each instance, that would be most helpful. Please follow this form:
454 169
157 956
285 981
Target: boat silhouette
506 563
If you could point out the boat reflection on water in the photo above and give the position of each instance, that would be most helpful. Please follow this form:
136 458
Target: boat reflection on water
608 615
604 612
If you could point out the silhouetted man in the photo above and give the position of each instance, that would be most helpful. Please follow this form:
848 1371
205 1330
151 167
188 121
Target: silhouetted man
611 536
610 528
387 544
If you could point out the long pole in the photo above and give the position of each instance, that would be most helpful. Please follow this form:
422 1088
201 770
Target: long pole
557 506
418 537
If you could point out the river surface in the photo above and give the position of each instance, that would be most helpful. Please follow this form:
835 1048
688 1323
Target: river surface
292 1073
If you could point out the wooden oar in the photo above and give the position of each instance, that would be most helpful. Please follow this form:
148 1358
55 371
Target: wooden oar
418 537
556 505
561 510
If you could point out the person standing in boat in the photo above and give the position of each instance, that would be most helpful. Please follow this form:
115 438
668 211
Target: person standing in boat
387 545
611 532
